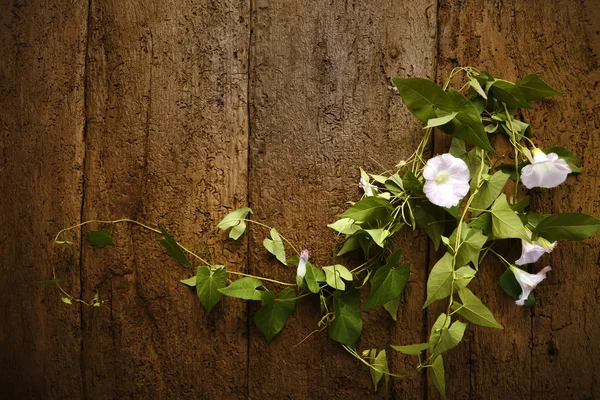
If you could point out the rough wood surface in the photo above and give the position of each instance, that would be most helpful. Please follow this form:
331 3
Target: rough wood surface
42 57
176 112
322 107
166 144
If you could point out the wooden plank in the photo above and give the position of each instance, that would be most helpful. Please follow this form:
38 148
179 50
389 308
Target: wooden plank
536 355
322 107
167 144
42 48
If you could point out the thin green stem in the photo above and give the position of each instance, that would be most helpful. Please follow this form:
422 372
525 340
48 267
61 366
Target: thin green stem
262 279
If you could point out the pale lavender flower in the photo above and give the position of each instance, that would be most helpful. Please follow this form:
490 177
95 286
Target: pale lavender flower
533 251
528 281
545 171
302 264
446 180
369 189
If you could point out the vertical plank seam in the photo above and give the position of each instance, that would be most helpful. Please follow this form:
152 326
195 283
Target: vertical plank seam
432 147
248 185
83 181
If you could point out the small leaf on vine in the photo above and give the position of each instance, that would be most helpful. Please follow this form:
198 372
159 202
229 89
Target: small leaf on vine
100 238
244 288
173 248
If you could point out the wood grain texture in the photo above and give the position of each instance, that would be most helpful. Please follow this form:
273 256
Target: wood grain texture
167 144
42 57
322 107
550 352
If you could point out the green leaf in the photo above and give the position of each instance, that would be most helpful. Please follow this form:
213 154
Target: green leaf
437 375
439 283
244 288
411 349
534 88
190 281
467 124
370 209
347 325
66 300
451 337
380 365
51 282
489 191
567 226
235 220
379 235
521 204
510 94
392 307
173 248
505 223
275 246
440 325
333 273
100 238
483 223
209 282
274 313
472 242
433 122
421 96
345 226
464 275
474 83
387 284
313 277
432 219
511 286
473 310
411 183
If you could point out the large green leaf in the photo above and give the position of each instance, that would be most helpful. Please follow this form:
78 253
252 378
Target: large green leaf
432 219
386 285
467 124
100 238
439 283
314 275
345 226
235 220
489 191
412 349
208 282
275 246
509 94
173 248
347 325
379 235
464 275
505 223
334 275
244 288
534 88
370 209
437 375
473 310
274 313
567 226
470 247
392 307
421 96
451 337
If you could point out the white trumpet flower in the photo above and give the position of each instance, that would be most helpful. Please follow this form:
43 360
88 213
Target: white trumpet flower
446 180
528 281
545 171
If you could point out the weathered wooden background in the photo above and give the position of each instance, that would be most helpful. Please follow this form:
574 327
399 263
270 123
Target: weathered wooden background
174 112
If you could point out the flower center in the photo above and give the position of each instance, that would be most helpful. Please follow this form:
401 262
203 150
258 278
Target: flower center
442 177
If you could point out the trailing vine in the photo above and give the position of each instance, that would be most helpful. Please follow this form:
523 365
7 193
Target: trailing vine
458 198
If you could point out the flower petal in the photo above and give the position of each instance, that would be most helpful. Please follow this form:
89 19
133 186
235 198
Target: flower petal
547 173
